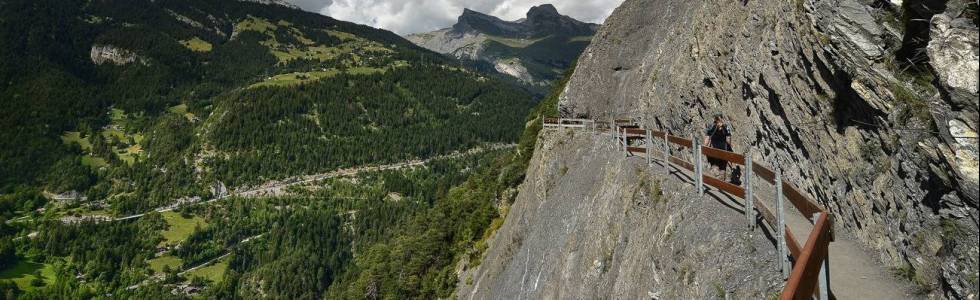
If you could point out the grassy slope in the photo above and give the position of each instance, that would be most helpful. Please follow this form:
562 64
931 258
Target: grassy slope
214 272
23 272
158 263
179 228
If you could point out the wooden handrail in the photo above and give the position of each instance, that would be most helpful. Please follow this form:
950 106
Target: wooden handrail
802 203
805 276
724 186
636 131
793 244
680 141
764 173
806 271
731 157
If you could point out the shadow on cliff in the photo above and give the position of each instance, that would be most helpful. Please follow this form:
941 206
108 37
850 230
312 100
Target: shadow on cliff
850 110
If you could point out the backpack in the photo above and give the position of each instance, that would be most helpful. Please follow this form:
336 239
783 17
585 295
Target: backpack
736 177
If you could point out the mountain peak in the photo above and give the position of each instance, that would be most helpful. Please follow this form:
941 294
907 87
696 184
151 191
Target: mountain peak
543 11
470 12
472 20
542 20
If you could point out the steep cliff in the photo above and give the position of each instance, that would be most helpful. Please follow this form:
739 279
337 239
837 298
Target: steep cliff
839 94
589 223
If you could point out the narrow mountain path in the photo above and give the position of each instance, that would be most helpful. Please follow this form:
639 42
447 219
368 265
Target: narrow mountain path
854 273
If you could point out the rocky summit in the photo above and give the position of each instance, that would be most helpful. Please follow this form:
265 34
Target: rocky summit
535 50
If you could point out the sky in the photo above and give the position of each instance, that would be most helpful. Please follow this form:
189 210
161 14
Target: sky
414 16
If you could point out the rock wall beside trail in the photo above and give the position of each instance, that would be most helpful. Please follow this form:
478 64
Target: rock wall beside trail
589 223
838 93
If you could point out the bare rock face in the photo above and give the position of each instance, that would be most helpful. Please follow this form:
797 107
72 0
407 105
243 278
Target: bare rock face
810 87
514 68
589 223
102 54
855 25
953 55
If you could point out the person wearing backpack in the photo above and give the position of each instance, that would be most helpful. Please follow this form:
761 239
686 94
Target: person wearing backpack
719 136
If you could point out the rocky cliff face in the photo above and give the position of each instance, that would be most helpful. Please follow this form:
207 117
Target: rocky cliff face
535 50
870 112
589 223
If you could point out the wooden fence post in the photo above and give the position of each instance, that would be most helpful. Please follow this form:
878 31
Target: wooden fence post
781 225
649 149
749 207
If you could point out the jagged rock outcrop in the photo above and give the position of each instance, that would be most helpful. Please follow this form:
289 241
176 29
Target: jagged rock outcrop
815 88
953 53
101 54
589 223
535 50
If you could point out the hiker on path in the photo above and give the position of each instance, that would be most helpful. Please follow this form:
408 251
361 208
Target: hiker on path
717 135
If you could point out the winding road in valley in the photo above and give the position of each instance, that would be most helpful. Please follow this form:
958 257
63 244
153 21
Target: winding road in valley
279 187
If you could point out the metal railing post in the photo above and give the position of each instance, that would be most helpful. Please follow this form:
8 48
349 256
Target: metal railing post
612 127
666 152
619 142
749 205
649 142
698 168
781 225
823 280
560 125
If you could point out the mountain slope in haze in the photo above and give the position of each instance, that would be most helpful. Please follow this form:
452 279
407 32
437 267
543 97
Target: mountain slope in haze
535 50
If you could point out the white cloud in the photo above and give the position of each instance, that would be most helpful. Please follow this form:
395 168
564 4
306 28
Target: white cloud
412 16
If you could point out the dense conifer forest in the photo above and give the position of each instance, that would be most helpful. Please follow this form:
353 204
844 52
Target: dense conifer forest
211 97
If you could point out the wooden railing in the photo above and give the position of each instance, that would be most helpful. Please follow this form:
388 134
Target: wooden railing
808 277
569 123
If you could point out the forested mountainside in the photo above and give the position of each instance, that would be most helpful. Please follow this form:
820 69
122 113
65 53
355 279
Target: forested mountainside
115 108
869 107
535 50
187 94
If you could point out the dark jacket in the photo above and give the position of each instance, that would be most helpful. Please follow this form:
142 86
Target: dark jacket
718 137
